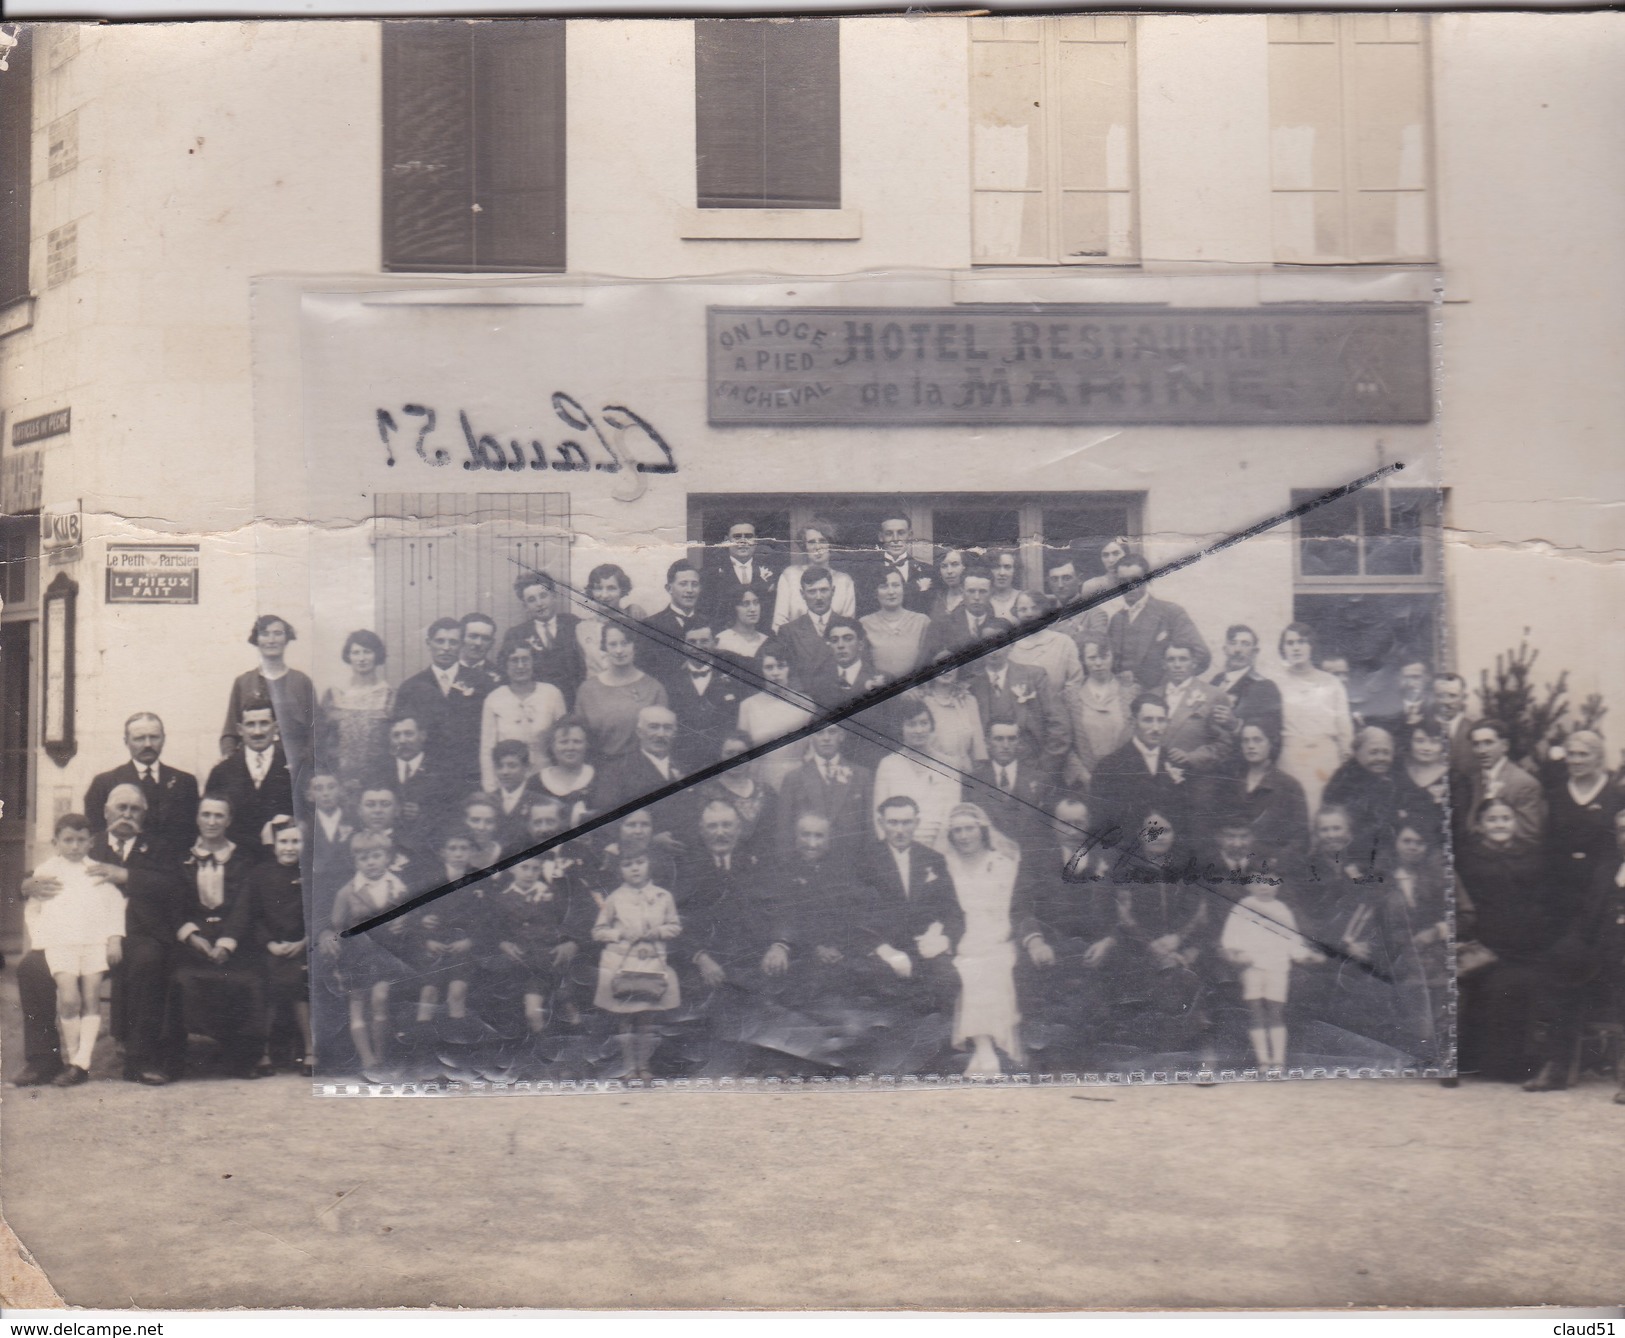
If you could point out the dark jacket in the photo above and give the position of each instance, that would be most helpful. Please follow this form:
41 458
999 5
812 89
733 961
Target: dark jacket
152 891
171 802
899 915
252 806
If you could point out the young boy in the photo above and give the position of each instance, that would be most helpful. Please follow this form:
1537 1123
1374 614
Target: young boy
515 787
80 928
368 963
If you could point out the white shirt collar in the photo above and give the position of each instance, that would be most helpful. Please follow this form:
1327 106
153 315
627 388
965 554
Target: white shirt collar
1153 756
445 677
259 763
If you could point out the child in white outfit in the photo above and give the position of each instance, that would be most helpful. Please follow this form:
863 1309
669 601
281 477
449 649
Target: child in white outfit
80 929
1261 937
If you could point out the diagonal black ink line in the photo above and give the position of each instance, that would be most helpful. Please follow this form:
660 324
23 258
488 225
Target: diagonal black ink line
864 701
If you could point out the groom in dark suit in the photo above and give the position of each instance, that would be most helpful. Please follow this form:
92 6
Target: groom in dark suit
255 778
171 795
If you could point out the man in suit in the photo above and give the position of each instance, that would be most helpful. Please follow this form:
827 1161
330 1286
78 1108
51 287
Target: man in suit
1024 694
848 673
1365 787
1143 627
1138 777
143 870
254 779
963 625
914 908
171 795
803 636
379 810
1022 786
829 784
1450 710
550 632
1496 776
1409 705
894 552
479 635
1195 740
423 788
327 838
647 768
446 699
1256 700
734 569
705 701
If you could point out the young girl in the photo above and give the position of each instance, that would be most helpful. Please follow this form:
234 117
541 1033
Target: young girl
279 902
634 979
1261 937
368 963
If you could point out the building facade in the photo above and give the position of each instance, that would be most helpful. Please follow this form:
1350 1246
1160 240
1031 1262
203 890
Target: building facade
259 275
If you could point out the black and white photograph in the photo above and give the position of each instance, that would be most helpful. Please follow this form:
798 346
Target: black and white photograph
870 613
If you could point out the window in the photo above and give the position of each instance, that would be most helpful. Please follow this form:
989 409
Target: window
767 108
1368 574
1349 137
16 165
474 147
1052 141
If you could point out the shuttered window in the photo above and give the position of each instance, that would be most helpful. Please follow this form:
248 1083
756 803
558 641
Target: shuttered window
16 164
474 147
1349 137
1052 140
767 95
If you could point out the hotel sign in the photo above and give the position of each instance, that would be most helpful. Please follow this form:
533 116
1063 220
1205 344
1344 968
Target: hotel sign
1068 365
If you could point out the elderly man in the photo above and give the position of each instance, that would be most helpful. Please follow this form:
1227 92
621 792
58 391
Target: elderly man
1145 626
1496 776
647 768
141 869
171 794
1367 788
255 778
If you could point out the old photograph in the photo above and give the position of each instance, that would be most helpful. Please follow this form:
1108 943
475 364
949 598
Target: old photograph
705 569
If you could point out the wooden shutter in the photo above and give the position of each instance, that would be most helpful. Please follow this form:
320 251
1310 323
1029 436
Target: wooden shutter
474 147
16 165
768 113
1349 130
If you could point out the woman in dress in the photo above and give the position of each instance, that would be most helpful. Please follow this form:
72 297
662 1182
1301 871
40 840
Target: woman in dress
949 592
1004 563
1580 809
744 637
935 790
1418 906
984 864
1504 899
1098 707
1094 624
279 905
609 586
817 540
291 693
1052 651
1271 800
521 709
959 740
610 701
1317 732
1422 794
895 633
752 798
353 737
764 716
568 776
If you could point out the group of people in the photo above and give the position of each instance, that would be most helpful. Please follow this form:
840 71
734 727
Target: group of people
1096 846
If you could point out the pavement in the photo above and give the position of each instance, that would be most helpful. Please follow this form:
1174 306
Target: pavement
220 1192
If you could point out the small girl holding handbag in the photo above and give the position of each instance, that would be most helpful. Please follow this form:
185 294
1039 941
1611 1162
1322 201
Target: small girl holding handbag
634 979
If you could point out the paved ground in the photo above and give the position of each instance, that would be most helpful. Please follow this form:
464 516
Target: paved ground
216 1193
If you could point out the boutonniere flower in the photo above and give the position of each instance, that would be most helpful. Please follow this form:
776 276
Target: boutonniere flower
930 875
1162 635
842 773
1022 693
922 584
767 573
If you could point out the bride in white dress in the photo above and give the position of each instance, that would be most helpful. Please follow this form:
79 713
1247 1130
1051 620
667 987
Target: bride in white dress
983 863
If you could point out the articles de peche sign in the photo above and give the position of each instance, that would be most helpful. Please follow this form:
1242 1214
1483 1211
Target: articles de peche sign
1063 365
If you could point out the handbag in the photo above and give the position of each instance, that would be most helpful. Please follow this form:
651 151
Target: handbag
640 979
1473 956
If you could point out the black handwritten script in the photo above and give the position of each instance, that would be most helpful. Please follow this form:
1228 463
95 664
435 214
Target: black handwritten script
631 443
1069 365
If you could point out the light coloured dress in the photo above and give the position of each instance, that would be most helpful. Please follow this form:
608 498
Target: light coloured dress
590 636
1099 713
611 711
895 640
733 642
958 722
763 717
635 923
353 736
985 957
507 715
1051 651
935 793
1317 732
1263 937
